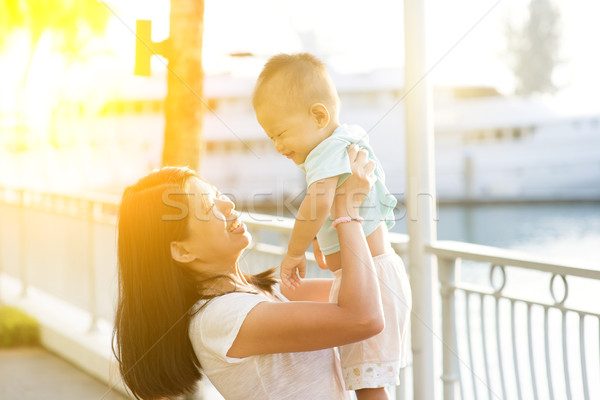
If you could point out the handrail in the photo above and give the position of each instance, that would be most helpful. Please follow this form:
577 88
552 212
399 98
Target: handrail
101 207
101 210
504 312
98 213
97 207
477 252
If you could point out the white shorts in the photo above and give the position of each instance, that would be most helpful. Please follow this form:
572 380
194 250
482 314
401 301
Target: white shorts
376 362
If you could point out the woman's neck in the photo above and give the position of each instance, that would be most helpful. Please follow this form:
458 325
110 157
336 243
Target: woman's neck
226 282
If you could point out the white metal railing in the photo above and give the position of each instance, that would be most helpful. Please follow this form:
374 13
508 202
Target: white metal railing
64 245
61 244
271 235
33 222
532 336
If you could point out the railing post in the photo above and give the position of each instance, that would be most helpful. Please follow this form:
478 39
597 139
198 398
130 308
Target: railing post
447 272
401 388
420 195
22 249
2 194
90 265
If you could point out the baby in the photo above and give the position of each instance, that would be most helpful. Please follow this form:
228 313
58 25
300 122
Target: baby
297 105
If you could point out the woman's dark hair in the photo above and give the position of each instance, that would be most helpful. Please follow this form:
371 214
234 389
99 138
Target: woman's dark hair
157 294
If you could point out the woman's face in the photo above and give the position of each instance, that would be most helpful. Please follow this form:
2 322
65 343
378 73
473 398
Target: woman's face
216 236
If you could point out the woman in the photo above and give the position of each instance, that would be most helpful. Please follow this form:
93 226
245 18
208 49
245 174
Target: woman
185 306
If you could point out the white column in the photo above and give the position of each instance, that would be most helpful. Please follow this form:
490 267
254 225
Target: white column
420 198
22 245
448 270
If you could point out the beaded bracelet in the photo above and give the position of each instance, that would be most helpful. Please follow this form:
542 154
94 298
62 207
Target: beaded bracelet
346 219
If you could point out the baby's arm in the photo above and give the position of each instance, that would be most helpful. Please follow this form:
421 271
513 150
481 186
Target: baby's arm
312 213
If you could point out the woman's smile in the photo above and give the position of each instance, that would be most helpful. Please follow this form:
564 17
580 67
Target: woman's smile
237 226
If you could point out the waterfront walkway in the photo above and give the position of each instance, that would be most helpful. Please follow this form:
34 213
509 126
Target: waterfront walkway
33 373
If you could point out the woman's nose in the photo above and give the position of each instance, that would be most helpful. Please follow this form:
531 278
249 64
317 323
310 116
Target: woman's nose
225 203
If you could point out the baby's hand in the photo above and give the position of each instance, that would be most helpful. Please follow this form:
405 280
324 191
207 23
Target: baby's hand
291 267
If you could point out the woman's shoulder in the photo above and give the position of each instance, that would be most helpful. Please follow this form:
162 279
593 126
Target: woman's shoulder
225 300
221 317
235 302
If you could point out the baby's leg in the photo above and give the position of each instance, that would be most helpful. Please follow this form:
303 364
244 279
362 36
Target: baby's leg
372 394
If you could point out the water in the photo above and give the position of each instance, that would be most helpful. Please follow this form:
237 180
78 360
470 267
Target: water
563 232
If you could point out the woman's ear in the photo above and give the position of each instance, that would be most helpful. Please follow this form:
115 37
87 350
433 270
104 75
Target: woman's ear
180 254
320 113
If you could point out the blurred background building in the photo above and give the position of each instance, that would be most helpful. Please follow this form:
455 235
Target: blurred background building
516 104
516 123
73 117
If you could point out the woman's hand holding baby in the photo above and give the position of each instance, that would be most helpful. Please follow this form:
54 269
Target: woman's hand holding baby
347 200
351 194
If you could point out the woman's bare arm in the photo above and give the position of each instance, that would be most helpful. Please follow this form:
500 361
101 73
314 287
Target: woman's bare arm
303 326
309 290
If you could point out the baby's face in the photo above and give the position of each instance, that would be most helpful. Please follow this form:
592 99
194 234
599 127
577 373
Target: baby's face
294 132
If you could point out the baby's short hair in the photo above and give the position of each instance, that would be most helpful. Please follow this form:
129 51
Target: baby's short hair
305 81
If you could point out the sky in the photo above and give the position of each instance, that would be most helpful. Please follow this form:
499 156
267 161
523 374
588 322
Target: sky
466 45
465 38
356 38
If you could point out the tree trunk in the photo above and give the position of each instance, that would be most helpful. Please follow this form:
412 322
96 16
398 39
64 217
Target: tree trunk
184 104
22 124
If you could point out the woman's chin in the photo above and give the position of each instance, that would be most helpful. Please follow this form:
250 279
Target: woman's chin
248 238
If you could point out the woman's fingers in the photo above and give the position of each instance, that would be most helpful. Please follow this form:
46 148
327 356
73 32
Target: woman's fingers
358 159
370 171
352 192
352 151
362 167
362 157
370 167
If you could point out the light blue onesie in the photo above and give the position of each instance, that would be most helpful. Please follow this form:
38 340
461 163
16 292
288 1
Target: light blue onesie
329 159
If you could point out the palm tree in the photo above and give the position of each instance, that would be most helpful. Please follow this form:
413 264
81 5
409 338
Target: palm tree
184 104
70 24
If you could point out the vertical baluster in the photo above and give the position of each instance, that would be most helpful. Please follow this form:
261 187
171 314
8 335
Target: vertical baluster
283 241
90 264
469 342
401 388
565 354
484 345
22 247
2 200
531 359
499 347
458 369
461 388
514 349
586 393
447 277
547 348
498 286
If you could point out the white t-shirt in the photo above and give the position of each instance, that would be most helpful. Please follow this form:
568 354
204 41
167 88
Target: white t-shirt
310 375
